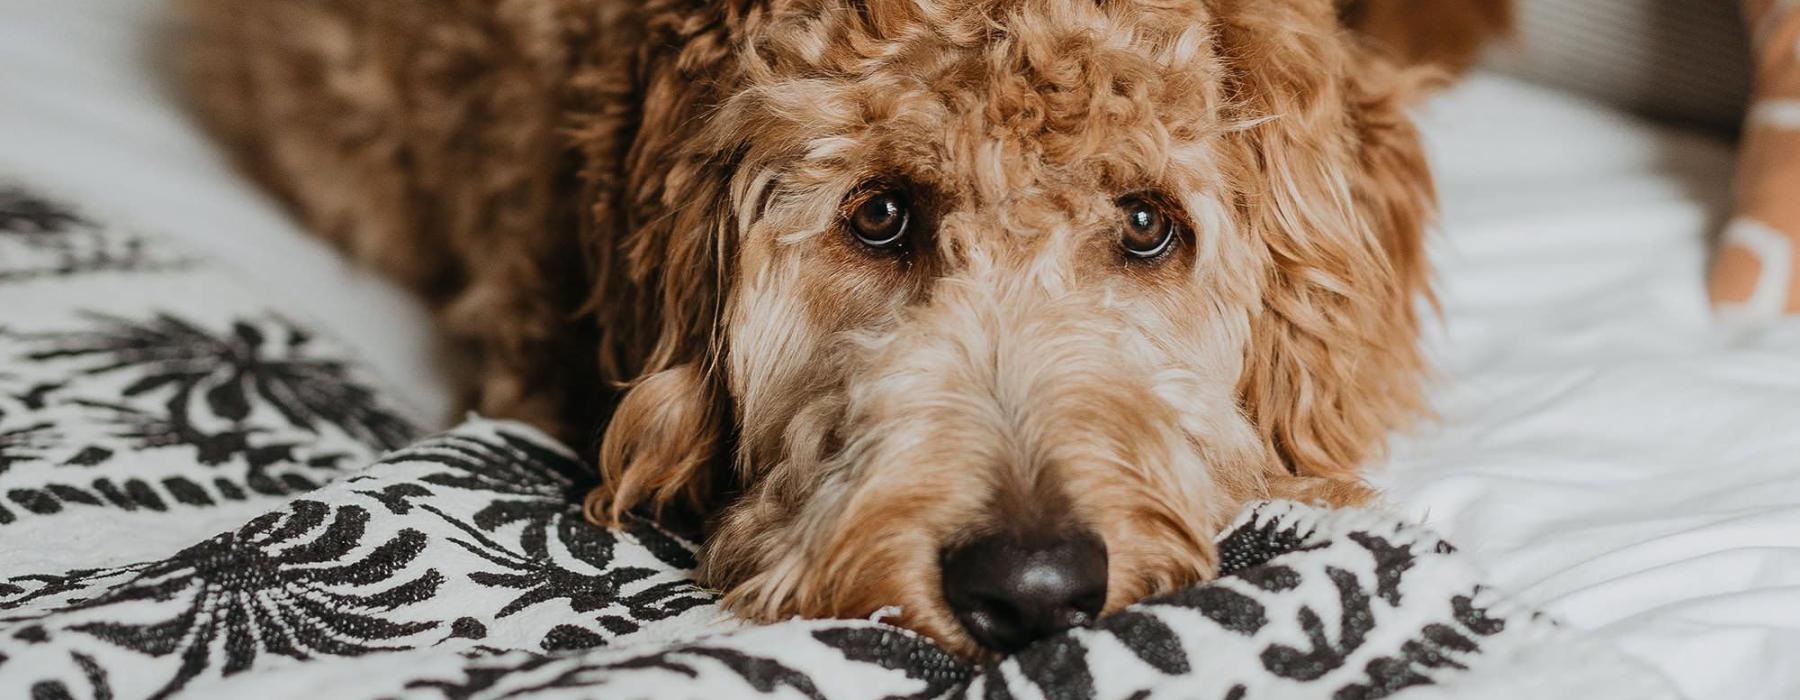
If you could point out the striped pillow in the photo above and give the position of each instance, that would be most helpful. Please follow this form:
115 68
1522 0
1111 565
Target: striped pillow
1754 273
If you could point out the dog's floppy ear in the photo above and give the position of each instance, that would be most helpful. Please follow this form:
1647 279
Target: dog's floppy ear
1337 193
660 446
655 230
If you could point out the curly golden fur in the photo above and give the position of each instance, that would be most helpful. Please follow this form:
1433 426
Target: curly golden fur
634 212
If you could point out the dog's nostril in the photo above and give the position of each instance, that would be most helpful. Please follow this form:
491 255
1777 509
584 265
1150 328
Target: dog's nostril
1008 592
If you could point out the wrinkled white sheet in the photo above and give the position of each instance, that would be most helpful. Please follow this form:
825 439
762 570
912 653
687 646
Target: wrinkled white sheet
1607 449
1611 452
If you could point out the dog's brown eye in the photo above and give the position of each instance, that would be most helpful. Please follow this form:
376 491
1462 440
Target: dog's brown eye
879 221
1148 231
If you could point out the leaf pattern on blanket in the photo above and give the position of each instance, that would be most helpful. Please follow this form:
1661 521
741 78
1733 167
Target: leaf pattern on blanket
224 372
472 541
254 401
460 566
22 442
537 489
41 238
276 586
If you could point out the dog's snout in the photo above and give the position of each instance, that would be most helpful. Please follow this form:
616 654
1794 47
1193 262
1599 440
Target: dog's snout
1009 592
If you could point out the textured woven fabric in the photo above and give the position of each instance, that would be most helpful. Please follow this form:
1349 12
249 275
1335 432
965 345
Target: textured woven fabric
1753 273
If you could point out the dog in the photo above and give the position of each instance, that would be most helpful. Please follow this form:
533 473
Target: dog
990 311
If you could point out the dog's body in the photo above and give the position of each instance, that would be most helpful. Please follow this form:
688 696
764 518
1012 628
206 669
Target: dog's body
1149 260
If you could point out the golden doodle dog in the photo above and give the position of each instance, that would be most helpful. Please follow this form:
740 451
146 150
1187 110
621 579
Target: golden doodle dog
992 310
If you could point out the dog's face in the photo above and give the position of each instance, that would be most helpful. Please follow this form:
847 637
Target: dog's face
991 338
991 299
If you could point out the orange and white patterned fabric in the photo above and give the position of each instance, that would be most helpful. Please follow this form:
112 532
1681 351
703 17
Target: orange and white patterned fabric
1757 270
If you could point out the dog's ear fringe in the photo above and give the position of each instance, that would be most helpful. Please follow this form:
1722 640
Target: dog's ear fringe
1340 195
659 448
653 232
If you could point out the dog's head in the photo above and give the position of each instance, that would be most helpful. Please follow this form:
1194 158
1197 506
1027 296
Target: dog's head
992 310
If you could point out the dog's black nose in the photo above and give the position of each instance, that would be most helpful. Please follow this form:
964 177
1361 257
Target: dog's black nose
1009 592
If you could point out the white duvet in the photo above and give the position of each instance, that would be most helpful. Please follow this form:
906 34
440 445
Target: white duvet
1610 450
1603 445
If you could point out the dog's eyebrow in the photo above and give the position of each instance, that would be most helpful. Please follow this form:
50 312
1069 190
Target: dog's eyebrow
753 196
825 147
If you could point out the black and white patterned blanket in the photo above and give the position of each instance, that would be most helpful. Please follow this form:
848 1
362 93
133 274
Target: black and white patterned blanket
198 497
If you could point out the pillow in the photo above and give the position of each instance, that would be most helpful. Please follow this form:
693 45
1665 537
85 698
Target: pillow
1753 273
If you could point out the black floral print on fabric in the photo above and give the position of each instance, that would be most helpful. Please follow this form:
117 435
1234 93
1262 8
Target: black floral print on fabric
460 566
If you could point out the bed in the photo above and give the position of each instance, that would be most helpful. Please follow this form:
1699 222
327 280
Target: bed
1603 448
1610 449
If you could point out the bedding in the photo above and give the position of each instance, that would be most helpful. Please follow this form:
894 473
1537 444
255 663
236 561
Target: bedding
1609 449
86 107
145 403
1603 449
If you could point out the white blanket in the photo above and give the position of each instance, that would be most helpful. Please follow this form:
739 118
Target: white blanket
1610 450
88 109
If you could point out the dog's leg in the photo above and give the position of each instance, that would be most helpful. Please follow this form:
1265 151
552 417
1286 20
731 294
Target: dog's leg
424 137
